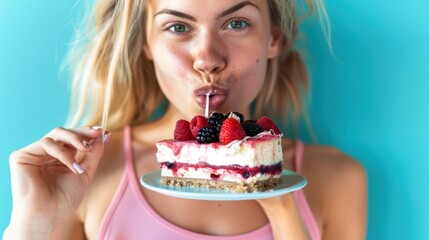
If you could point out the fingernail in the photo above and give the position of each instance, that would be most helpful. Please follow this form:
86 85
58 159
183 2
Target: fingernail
106 137
78 167
86 144
96 127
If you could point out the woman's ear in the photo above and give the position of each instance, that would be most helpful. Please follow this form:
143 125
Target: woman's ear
277 42
147 52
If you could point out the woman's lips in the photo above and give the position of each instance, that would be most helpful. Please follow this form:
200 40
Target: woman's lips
216 99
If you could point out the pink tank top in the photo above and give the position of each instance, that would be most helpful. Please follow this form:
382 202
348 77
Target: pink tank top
129 216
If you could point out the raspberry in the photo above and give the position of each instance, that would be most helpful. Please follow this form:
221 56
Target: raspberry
267 124
216 119
207 135
251 129
197 123
182 131
231 130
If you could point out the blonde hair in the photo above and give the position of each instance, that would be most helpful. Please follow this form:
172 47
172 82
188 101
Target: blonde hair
287 80
112 77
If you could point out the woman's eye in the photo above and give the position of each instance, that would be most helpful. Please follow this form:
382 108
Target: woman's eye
237 24
178 28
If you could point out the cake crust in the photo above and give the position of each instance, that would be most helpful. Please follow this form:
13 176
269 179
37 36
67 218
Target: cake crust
259 186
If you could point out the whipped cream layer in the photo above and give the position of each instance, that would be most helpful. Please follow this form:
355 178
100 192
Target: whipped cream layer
263 149
216 174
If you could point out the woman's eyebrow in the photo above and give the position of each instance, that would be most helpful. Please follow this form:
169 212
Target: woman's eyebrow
176 13
236 8
222 14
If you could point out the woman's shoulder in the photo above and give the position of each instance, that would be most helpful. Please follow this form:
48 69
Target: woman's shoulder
331 163
337 184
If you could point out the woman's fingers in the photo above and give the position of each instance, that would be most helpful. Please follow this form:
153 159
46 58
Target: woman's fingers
90 160
79 138
44 152
64 155
87 159
88 132
63 145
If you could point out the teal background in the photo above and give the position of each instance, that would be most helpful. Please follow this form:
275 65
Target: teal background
371 102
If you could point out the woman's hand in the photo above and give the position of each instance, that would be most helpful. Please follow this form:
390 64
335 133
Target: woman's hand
284 217
50 177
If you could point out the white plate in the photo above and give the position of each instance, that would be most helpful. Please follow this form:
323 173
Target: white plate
290 182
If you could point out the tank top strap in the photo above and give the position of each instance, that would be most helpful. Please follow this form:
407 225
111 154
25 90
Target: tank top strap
128 148
299 149
303 206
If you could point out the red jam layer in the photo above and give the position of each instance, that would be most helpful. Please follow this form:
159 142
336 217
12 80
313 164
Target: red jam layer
176 146
245 171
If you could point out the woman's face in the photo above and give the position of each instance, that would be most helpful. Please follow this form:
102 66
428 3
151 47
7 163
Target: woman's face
202 47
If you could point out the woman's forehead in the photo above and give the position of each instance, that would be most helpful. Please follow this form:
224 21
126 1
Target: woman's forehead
204 7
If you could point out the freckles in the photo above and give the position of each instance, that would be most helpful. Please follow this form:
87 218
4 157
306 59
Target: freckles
257 60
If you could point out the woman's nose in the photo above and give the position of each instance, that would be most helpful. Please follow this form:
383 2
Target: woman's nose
209 54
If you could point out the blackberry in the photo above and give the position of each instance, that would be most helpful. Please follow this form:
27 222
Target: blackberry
251 121
251 129
246 174
207 135
239 115
169 165
264 169
216 120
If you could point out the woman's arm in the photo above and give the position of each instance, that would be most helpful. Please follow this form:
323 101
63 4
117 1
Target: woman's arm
346 210
23 226
339 189
284 217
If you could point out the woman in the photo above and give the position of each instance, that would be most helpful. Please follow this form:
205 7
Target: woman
82 183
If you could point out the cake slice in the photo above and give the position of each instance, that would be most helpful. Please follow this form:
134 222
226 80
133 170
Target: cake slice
226 153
